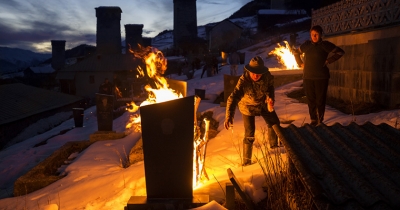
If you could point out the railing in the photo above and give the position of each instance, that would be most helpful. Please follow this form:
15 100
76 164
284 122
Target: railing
356 15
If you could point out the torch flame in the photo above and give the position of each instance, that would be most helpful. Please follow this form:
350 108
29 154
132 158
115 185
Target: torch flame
285 56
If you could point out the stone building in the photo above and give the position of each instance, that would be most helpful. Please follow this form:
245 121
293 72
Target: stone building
108 37
224 36
85 77
185 21
133 36
58 54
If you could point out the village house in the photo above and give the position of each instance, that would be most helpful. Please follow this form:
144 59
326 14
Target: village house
109 61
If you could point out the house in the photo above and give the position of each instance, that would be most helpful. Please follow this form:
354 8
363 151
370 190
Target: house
40 76
23 105
224 36
85 77
108 61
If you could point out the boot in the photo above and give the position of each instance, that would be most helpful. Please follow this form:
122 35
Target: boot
272 138
247 150
278 133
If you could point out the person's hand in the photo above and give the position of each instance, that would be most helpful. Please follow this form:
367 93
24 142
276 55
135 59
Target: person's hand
270 104
270 101
227 123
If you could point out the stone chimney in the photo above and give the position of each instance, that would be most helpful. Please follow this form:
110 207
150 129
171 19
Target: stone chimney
108 37
133 36
185 20
57 54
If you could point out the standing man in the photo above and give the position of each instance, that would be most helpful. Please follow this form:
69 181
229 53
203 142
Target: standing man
255 96
234 61
318 54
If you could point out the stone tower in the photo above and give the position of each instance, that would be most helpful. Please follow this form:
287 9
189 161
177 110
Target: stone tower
108 37
57 54
133 36
185 21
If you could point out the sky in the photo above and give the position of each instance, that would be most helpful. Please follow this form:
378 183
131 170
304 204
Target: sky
95 179
31 24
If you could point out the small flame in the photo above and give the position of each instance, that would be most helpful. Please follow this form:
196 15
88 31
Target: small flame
134 123
285 56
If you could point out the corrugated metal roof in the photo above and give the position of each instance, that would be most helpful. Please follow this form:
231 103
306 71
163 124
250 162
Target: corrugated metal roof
105 63
347 167
19 101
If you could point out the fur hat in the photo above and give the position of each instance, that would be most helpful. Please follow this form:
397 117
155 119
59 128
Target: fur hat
256 66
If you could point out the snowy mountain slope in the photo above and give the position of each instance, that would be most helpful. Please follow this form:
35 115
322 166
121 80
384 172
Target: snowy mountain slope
14 59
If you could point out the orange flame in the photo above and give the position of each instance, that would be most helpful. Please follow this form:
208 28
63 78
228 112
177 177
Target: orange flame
158 90
285 56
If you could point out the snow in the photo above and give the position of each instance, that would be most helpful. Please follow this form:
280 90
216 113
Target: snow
42 69
95 178
281 12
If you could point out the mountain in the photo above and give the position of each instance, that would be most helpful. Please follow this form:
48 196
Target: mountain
14 59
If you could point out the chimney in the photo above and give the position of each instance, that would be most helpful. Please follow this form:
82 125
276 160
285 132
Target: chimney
108 37
57 54
133 36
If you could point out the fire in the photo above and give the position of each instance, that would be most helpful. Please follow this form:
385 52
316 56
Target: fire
156 65
158 91
285 56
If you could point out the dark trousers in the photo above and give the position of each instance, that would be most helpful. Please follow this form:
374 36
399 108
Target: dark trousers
316 90
249 124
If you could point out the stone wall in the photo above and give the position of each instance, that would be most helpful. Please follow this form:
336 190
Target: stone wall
369 72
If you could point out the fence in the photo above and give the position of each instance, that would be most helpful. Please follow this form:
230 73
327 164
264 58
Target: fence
355 15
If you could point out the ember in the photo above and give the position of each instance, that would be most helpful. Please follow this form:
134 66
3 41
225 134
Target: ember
285 56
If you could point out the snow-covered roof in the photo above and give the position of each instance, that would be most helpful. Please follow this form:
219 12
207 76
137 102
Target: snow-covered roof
43 69
281 12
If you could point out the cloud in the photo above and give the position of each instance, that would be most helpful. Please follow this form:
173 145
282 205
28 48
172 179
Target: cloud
25 24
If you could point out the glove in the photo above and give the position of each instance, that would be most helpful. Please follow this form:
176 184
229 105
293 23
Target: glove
227 123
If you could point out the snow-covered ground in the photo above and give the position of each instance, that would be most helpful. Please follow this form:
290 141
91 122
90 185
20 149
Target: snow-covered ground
95 178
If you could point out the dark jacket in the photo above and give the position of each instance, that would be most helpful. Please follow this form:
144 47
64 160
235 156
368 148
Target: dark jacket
315 56
250 96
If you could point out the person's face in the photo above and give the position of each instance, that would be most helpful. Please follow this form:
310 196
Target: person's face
315 36
255 77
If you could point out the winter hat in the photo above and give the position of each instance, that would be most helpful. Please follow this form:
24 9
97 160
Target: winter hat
256 66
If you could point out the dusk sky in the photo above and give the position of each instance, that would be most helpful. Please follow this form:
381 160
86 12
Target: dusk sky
31 24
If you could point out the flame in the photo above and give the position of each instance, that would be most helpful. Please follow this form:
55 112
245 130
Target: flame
158 89
134 123
285 56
